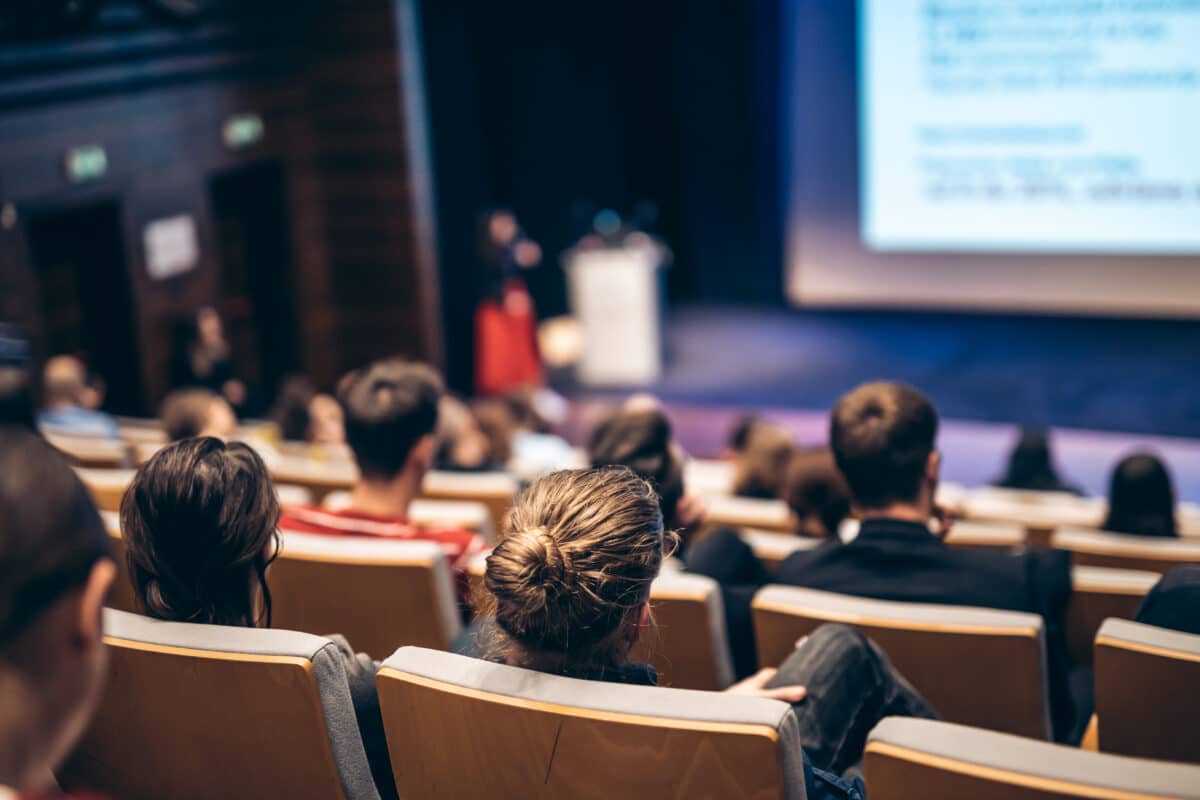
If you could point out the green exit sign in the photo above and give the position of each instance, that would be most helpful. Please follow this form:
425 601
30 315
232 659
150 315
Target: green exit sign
242 131
87 163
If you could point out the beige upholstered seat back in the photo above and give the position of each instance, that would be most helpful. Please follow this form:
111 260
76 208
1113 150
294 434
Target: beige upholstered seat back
466 728
976 666
378 593
1148 691
194 712
918 759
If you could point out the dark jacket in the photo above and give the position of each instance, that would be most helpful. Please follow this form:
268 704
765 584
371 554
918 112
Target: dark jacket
903 561
1174 602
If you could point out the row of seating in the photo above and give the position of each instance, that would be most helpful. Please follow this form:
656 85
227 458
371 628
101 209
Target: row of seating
266 713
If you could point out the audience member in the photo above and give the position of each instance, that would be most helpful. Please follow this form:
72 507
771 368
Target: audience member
760 468
291 409
816 492
391 410
739 435
64 381
187 413
202 358
883 439
498 423
461 444
1031 466
642 441
200 525
1141 499
326 422
1174 602
55 573
570 587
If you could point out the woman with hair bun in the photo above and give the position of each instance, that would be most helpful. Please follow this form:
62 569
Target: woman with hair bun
569 589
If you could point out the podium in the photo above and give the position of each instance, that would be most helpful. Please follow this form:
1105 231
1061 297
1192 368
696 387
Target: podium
615 295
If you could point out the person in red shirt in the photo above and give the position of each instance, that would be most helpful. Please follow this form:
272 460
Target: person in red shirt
391 410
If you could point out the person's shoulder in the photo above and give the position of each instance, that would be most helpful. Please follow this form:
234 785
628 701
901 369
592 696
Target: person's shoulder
801 561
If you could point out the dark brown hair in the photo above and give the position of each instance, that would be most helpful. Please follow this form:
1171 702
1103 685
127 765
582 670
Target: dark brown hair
584 547
642 441
816 492
882 435
50 533
389 406
1141 499
200 525
762 463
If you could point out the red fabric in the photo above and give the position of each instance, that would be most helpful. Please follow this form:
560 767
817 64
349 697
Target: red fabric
459 544
506 356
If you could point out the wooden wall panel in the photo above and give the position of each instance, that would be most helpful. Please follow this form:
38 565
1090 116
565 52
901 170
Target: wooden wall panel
328 83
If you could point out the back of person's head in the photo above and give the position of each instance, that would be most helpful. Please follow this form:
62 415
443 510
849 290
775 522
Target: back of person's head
883 435
64 379
55 572
461 443
187 413
1030 465
1141 498
739 434
326 420
199 522
499 424
642 440
761 466
290 411
391 407
816 492
571 579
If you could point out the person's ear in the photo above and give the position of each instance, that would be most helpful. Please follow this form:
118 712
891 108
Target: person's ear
88 627
640 620
933 467
423 453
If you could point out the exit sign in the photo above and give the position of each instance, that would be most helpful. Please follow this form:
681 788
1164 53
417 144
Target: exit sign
242 131
86 163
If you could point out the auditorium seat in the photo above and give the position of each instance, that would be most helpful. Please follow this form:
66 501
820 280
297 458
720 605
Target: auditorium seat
1040 513
773 547
1098 593
194 712
379 593
92 452
319 477
466 728
707 477
496 490
472 516
122 596
1123 551
1147 702
106 486
976 666
144 451
140 431
919 759
292 495
727 511
688 645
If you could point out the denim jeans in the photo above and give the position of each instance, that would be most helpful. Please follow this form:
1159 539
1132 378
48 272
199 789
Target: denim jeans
851 686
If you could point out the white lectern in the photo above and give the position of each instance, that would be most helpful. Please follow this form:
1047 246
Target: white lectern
614 293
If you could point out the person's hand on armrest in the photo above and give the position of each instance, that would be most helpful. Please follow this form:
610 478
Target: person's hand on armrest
756 685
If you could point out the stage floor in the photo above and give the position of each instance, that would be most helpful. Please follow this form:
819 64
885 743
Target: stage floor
1106 385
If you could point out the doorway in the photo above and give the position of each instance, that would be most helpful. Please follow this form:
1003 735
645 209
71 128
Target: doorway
250 212
78 256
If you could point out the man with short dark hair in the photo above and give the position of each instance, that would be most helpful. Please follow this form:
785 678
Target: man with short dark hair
883 438
391 411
